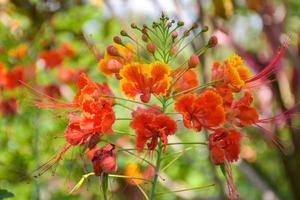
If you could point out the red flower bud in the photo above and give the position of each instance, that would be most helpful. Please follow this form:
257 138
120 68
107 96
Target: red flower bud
151 47
173 51
117 40
193 61
123 33
213 41
111 50
174 34
144 38
103 159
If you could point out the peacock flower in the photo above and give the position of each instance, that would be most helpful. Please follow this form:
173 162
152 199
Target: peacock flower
133 170
113 62
205 110
187 81
224 144
145 79
151 125
19 52
243 113
235 72
52 58
103 159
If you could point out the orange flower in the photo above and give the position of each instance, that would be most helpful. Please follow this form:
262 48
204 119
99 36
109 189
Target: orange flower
19 52
2 75
205 110
186 81
111 64
235 73
145 79
133 170
89 89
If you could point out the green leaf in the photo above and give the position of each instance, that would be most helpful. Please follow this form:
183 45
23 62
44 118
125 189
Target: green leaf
5 194
222 167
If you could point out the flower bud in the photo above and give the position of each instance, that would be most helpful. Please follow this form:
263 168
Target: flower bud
109 164
117 40
111 50
133 25
205 29
180 23
174 34
151 47
154 25
186 33
173 51
144 31
193 61
144 38
194 26
123 33
213 41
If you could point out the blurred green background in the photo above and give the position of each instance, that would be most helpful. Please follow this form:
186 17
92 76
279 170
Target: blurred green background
252 28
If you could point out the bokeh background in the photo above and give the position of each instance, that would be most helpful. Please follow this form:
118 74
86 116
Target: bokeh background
28 137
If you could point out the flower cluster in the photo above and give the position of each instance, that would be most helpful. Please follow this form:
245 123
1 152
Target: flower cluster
149 77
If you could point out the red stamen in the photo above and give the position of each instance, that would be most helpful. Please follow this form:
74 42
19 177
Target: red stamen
272 66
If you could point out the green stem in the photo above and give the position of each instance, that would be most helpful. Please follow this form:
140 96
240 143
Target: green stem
157 167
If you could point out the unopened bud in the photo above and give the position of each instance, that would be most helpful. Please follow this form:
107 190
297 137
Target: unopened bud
194 26
186 33
213 41
111 50
144 38
133 25
173 51
151 47
144 31
123 33
205 29
117 40
193 61
180 23
154 25
174 34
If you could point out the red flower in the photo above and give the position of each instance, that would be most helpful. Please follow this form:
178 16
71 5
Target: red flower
8 107
52 58
224 144
152 125
103 159
205 110
15 77
68 74
66 50
89 89
243 113
52 90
